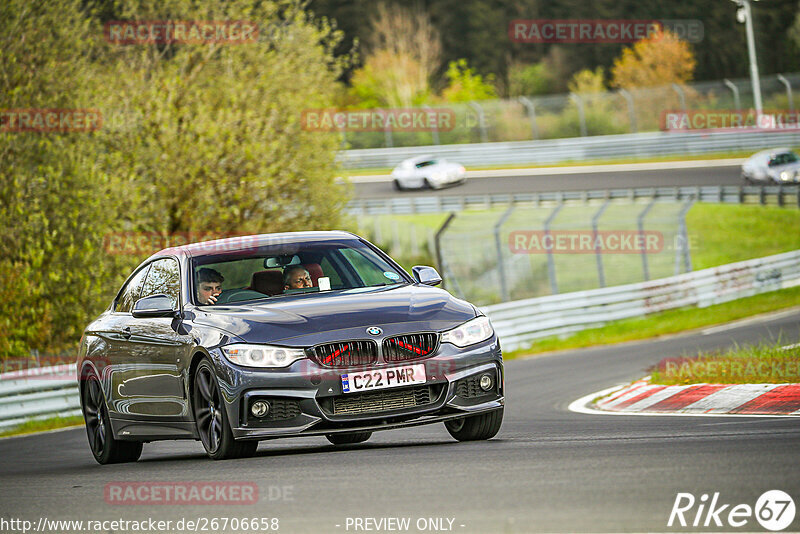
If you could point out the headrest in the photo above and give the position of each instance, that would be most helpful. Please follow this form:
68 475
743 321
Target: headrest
314 271
269 282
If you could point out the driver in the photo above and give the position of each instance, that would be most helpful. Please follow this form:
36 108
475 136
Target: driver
209 285
296 277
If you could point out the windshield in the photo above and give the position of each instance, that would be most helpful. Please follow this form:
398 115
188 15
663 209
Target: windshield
290 269
783 159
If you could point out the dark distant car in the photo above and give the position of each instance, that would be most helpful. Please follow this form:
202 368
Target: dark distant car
773 166
363 347
427 172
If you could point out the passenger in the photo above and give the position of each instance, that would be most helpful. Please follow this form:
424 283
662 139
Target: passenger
296 277
209 285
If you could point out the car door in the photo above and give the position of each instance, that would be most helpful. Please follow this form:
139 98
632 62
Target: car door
114 364
158 350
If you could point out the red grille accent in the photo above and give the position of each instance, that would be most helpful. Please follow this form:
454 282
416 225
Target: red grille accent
409 347
347 354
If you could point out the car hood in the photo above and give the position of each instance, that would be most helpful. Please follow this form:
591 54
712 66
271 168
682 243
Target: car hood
305 320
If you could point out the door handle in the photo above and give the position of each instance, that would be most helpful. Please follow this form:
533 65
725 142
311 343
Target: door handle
126 332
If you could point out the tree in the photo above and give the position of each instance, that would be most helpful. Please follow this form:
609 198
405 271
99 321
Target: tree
404 51
197 138
528 80
465 85
657 60
55 202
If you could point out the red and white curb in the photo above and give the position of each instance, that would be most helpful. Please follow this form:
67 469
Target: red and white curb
644 398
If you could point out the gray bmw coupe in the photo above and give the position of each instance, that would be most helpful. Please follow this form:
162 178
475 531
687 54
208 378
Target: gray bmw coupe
315 333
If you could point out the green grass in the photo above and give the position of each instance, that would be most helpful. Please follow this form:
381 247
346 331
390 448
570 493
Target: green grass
668 322
727 233
42 425
611 161
753 364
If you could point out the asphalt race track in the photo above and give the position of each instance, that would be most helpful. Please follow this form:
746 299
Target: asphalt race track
599 179
548 469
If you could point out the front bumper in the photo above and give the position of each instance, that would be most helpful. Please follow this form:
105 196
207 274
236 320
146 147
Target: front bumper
306 399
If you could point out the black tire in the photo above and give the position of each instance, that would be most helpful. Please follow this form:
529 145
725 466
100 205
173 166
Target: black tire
397 186
105 448
476 427
212 419
348 439
428 184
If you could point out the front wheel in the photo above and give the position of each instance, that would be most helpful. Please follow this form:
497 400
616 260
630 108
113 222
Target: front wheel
212 419
476 427
105 448
349 438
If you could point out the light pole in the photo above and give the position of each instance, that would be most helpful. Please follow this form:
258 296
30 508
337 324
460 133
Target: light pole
745 14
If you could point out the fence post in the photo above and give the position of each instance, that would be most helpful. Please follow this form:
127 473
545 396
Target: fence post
631 108
640 224
481 121
581 115
678 89
435 129
684 234
735 90
438 241
784 81
531 108
504 292
396 248
551 266
387 132
414 242
598 254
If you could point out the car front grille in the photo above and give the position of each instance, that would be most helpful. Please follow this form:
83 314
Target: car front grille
383 401
347 353
409 347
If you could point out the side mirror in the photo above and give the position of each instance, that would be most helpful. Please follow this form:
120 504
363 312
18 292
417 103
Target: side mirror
154 306
426 275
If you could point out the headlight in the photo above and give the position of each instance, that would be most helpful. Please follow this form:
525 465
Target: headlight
786 176
469 333
262 355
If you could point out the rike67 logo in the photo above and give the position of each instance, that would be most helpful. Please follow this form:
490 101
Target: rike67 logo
774 510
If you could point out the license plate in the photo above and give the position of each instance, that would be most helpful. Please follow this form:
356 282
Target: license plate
383 378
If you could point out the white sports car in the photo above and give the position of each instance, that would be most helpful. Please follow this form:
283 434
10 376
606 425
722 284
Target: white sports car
427 172
776 165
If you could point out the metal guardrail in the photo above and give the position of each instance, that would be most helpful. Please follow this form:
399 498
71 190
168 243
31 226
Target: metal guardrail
518 323
781 195
574 148
38 393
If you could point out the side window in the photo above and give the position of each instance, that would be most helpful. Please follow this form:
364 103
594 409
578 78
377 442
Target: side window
163 278
130 293
330 272
369 272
